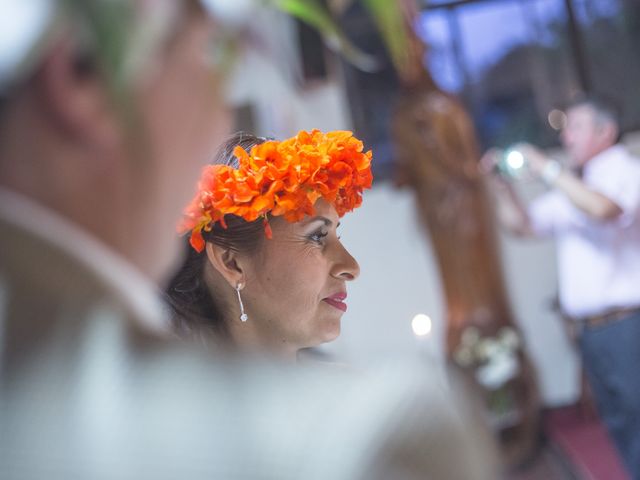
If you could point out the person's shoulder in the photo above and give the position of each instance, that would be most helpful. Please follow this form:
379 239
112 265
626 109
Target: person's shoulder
625 167
622 158
614 166
421 415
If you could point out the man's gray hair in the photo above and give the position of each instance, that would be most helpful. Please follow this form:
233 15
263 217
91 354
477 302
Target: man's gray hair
606 110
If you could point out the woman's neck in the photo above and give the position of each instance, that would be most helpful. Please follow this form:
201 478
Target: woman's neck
247 337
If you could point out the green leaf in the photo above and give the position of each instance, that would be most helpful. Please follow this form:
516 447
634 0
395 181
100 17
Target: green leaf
315 14
108 28
388 17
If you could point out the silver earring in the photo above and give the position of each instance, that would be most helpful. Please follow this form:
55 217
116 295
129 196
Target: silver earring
243 316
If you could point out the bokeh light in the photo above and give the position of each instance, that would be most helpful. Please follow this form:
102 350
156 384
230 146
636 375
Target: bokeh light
421 325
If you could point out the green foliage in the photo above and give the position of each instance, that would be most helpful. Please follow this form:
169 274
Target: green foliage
314 14
108 28
385 13
388 18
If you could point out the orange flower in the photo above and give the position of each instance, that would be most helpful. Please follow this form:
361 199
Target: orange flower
281 179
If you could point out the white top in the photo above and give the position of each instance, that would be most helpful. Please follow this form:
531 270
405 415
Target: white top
598 261
22 25
126 281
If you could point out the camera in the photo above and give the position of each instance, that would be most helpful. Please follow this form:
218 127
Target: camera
513 164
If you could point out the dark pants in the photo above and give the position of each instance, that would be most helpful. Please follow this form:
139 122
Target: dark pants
611 358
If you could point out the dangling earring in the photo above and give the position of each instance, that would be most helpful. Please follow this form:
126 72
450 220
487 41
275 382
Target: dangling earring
243 316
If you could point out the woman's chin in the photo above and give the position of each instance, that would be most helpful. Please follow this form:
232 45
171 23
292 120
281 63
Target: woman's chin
325 331
331 333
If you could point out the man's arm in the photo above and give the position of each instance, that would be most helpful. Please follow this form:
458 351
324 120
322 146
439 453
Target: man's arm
512 214
594 204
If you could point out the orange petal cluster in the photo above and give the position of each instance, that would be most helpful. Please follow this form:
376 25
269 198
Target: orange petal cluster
281 178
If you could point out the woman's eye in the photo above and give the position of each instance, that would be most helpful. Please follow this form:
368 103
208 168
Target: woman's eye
318 236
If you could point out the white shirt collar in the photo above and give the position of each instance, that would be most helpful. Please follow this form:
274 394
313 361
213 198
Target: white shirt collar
135 290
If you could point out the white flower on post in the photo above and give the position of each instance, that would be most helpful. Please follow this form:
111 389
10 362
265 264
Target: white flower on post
502 367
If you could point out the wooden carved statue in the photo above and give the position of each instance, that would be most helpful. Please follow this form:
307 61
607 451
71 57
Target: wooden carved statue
438 159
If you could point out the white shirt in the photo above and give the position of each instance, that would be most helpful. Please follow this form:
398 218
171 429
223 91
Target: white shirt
126 281
598 261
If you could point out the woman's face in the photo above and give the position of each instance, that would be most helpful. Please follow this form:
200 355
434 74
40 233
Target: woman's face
296 285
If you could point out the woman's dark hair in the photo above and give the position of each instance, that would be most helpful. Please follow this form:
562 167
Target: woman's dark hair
194 311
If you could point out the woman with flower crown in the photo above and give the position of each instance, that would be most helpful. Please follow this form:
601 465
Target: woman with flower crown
266 270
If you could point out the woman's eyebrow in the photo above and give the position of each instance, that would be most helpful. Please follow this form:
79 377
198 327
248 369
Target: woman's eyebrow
324 220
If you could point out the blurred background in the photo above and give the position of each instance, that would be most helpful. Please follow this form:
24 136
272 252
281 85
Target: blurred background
513 64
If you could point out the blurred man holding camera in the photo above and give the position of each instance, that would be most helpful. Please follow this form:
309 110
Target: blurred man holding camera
592 210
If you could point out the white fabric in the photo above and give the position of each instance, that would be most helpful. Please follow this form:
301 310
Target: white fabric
231 12
22 24
598 262
125 280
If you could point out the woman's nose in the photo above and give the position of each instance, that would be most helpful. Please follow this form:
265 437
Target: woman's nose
346 267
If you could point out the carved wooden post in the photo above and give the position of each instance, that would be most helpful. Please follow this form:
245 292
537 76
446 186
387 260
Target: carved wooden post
438 158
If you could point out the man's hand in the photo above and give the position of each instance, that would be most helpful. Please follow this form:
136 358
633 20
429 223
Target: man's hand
490 160
511 211
488 167
535 158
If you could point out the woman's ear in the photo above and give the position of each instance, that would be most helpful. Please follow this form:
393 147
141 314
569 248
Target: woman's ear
226 261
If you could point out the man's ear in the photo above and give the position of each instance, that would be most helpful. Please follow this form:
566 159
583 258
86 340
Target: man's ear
610 132
227 263
75 98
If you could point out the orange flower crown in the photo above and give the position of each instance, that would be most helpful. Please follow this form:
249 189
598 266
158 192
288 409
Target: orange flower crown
281 178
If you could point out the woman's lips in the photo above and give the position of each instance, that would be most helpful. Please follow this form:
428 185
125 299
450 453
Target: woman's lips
337 301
